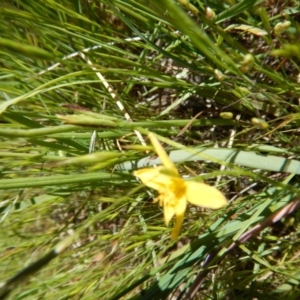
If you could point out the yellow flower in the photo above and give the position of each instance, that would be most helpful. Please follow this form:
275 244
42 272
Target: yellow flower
174 192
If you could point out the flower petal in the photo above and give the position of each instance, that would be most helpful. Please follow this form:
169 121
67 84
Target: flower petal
159 178
202 194
162 154
169 212
153 178
180 210
177 227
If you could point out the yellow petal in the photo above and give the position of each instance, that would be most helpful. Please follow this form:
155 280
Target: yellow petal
202 194
162 153
152 178
177 227
169 212
159 178
180 210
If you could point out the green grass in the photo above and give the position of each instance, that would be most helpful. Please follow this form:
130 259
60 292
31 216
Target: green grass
78 225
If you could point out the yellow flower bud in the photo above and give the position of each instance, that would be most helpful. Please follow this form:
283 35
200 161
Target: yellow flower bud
226 115
247 63
210 13
219 75
281 27
259 123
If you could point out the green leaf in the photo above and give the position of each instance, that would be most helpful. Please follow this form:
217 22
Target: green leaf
26 50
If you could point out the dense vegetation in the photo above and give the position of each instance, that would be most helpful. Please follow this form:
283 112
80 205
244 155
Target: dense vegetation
82 85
